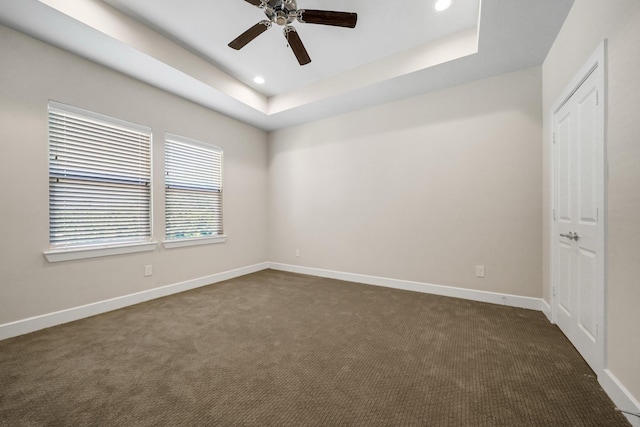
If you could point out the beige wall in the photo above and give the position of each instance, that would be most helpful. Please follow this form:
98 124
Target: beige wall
31 74
588 24
422 189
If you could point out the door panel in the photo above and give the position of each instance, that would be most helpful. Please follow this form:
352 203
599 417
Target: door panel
588 157
586 298
564 278
563 147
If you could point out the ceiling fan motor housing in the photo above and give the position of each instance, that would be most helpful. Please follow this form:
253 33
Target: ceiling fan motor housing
282 12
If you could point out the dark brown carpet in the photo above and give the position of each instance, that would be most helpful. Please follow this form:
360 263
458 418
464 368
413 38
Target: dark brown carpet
280 349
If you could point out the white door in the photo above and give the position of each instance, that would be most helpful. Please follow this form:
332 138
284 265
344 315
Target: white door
578 238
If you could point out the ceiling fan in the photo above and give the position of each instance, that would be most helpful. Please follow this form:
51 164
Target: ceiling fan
283 13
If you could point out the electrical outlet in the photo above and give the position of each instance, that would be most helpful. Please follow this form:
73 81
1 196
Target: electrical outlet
297 252
480 271
148 270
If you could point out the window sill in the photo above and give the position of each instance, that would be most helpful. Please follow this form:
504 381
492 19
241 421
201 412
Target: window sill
181 243
59 255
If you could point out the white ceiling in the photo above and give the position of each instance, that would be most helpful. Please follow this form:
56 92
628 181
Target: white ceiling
394 52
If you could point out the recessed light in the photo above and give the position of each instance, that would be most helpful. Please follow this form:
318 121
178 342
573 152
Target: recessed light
259 80
442 5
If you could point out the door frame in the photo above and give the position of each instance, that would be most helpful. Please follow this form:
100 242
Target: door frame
596 61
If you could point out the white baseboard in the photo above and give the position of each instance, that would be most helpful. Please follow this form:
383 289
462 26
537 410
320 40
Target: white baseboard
622 398
33 324
25 326
481 296
546 309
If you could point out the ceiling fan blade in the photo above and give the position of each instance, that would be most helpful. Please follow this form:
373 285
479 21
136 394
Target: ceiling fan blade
243 39
327 17
296 45
254 2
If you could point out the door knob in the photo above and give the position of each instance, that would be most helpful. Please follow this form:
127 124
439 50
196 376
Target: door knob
571 235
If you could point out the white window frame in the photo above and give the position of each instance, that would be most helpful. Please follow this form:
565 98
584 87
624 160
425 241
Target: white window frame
178 242
112 246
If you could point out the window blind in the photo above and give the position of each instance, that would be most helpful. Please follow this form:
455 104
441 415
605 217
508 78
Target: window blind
193 188
99 179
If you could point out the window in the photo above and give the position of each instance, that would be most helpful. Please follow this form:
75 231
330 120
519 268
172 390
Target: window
193 192
99 181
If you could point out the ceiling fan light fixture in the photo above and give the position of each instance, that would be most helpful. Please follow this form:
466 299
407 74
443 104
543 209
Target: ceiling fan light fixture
442 5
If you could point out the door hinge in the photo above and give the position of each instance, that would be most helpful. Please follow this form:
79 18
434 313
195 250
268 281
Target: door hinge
554 138
553 290
554 214
597 214
597 98
597 330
